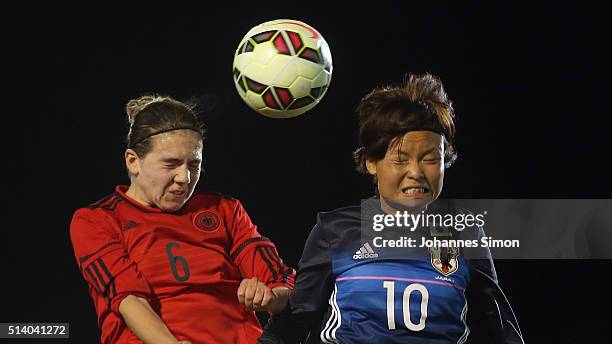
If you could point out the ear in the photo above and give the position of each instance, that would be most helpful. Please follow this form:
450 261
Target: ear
131 161
371 167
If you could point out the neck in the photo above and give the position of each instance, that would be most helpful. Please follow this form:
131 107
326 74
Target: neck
136 195
387 208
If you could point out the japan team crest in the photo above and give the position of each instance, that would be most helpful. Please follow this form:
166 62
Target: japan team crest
445 259
207 221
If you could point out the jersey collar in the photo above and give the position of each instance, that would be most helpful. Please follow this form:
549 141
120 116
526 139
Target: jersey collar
121 190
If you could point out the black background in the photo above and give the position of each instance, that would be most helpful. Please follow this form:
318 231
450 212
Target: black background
529 82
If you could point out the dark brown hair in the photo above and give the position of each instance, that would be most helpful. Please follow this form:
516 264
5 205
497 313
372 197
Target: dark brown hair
152 114
387 113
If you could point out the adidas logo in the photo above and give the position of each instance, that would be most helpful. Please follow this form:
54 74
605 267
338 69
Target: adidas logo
365 252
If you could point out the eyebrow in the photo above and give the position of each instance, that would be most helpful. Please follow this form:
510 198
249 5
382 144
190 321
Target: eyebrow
178 161
432 149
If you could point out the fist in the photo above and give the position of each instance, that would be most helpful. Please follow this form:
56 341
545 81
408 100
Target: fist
257 296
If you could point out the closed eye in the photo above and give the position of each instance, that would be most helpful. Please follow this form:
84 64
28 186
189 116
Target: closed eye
431 157
399 162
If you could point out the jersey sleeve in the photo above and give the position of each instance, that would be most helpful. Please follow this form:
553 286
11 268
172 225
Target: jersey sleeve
308 302
255 255
490 316
103 260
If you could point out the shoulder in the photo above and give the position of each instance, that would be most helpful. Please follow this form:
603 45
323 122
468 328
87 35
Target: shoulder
351 213
108 202
338 224
214 201
208 194
212 197
96 220
348 213
99 209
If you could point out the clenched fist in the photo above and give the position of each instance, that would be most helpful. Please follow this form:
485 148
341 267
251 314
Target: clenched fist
257 296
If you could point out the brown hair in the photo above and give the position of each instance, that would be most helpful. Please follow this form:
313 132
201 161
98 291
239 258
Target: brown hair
387 113
152 114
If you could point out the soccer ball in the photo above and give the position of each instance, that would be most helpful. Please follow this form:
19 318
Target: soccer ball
282 68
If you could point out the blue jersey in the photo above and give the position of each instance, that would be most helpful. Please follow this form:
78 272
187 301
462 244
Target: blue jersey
396 300
349 290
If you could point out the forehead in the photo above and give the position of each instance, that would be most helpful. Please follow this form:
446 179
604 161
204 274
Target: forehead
177 144
417 140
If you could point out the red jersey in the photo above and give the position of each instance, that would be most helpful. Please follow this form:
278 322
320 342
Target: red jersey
188 264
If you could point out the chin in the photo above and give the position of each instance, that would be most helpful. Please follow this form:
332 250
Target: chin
403 203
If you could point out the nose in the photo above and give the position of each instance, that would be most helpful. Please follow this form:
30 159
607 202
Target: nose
183 175
413 170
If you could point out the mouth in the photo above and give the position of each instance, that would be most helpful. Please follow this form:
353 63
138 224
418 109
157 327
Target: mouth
415 191
177 193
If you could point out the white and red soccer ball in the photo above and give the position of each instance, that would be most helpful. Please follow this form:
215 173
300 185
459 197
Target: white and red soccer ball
282 68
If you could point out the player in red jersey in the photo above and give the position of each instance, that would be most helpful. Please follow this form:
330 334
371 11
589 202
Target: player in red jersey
164 266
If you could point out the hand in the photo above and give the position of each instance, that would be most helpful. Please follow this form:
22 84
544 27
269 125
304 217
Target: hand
257 296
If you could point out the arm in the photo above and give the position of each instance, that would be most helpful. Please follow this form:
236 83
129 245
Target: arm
490 316
257 296
308 302
113 276
144 322
267 280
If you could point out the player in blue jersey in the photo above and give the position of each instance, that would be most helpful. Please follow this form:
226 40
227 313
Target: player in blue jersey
350 288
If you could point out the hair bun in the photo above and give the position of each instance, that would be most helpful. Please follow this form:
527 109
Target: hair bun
134 106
